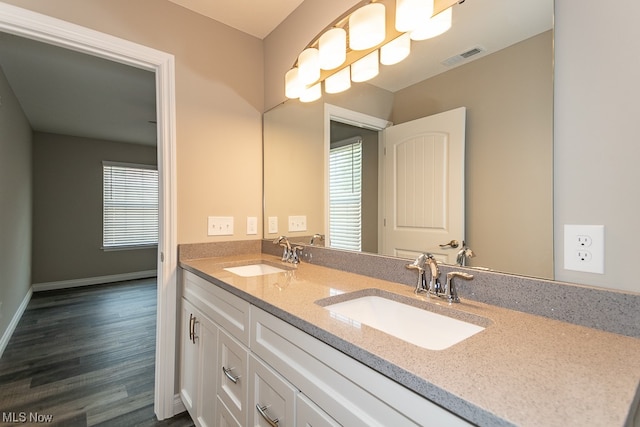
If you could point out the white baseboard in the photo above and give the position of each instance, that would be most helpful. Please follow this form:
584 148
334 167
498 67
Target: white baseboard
64 284
14 321
178 406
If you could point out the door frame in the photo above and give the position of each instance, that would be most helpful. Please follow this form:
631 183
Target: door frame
43 28
353 118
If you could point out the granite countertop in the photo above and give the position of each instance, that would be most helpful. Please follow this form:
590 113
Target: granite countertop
522 369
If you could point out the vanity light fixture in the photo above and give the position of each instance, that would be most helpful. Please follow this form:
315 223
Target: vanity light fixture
332 48
365 68
312 93
358 41
367 27
396 50
411 13
434 26
338 82
308 66
292 86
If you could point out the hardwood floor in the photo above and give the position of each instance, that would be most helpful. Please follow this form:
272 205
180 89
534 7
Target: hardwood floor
84 357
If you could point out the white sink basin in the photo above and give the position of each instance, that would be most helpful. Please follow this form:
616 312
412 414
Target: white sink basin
423 328
254 270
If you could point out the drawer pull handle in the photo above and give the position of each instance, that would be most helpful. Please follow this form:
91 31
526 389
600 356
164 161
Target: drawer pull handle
261 410
227 373
192 328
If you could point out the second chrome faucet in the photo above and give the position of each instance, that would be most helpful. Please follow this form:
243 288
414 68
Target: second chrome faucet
289 254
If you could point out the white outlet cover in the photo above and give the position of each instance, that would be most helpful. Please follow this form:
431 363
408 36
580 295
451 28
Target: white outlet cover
584 248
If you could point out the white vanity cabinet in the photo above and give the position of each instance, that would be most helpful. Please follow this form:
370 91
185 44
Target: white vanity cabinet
214 334
198 361
269 373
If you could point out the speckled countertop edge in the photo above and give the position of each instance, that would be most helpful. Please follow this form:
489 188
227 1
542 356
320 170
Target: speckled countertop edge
560 377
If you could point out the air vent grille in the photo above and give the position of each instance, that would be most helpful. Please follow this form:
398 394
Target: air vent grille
456 59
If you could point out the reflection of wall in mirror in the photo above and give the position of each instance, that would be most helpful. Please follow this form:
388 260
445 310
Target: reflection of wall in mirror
293 134
509 147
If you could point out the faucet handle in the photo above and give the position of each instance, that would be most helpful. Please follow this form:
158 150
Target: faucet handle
451 291
421 285
295 254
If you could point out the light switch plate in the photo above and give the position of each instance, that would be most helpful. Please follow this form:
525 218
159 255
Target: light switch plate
220 226
298 223
273 224
584 248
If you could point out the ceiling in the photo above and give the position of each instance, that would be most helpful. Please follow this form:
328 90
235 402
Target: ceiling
66 92
257 18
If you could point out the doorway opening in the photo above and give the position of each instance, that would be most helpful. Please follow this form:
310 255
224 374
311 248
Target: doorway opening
24 23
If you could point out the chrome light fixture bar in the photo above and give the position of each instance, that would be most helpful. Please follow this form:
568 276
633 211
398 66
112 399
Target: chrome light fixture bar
353 46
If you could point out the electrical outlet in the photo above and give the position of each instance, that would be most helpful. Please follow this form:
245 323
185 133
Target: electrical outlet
584 241
252 225
220 226
298 223
584 248
273 224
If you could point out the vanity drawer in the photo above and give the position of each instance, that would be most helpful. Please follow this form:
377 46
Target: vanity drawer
224 308
272 399
223 416
233 376
350 392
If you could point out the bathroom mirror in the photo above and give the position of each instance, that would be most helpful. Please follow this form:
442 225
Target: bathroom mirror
507 89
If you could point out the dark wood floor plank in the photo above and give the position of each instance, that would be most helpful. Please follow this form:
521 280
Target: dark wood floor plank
86 356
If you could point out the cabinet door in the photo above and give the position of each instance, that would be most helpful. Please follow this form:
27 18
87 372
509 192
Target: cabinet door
271 397
190 357
232 375
308 414
207 336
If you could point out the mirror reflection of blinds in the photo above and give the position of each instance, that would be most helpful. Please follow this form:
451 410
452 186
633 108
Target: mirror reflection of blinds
130 205
345 195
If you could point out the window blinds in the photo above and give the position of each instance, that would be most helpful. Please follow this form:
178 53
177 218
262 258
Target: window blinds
345 199
130 205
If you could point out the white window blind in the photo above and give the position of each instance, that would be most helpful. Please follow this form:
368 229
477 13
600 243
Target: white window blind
345 195
130 205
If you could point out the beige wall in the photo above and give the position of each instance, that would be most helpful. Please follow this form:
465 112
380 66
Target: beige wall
67 217
15 205
219 102
596 134
509 151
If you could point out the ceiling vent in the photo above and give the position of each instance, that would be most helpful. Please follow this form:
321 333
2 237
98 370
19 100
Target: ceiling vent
456 59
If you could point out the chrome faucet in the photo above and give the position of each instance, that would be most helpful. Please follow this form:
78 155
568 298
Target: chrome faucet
427 264
463 254
316 236
284 242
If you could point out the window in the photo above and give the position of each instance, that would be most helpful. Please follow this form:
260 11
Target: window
345 199
130 206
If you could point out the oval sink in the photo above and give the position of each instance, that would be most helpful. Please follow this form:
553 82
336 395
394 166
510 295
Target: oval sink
253 270
417 326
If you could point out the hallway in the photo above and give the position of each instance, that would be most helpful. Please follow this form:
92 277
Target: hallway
85 357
